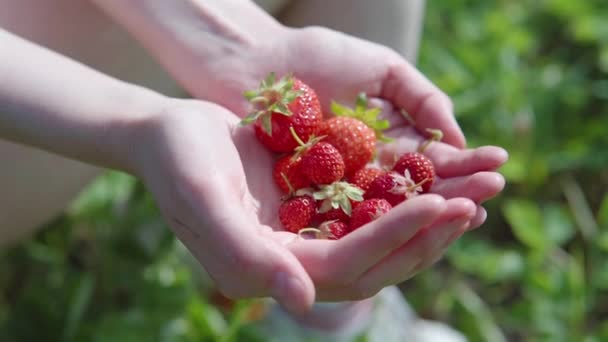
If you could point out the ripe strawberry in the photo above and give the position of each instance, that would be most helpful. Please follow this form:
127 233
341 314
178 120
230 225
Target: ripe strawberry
368 211
334 230
420 168
297 212
282 104
354 133
288 173
363 177
323 164
355 140
393 187
335 214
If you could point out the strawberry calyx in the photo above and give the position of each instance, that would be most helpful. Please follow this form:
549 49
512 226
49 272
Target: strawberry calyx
303 146
272 96
323 232
368 116
405 185
293 192
436 135
338 195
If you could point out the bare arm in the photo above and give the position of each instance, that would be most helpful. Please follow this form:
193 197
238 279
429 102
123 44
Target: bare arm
191 37
54 103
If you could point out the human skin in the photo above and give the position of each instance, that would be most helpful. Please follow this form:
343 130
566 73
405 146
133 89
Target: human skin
213 184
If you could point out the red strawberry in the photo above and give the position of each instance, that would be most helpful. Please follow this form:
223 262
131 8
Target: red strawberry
368 211
363 177
354 133
297 212
282 104
335 214
393 187
355 141
323 164
288 172
420 167
334 230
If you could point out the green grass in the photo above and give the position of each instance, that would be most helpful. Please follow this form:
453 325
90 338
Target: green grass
531 76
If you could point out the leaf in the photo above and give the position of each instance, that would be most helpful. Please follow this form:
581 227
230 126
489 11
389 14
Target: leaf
526 222
78 306
267 124
558 223
361 102
338 109
602 214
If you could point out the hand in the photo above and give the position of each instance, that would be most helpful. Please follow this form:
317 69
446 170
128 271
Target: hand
336 65
213 183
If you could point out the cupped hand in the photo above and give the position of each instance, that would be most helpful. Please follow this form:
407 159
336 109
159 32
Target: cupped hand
336 65
212 181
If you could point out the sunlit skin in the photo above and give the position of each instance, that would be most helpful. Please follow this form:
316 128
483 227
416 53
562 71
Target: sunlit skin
212 179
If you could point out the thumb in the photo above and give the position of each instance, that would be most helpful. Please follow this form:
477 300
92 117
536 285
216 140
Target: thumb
290 284
249 262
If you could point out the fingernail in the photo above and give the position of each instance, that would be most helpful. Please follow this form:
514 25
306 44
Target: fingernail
286 290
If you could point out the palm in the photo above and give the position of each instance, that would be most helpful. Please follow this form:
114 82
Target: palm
215 188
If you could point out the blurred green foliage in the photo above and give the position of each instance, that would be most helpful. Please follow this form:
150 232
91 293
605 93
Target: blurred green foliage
531 76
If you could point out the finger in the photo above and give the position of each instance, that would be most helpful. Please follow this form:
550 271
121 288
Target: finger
478 187
448 160
342 261
236 254
479 219
428 106
398 266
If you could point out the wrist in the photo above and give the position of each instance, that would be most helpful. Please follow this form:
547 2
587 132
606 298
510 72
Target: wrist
215 49
119 139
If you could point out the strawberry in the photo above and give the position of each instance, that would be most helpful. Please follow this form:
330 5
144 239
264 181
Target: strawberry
335 214
279 105
368 211
288 174
354 133
363 177
297 212
354 140
323 164
334 230
393 187
420 168
337 197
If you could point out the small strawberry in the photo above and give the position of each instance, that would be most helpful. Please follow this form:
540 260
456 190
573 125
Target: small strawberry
334 230
331 230
282 104
354 133
336 197
335 214
363 177
368 211
393 187
420 168
321 162
297 212
288 174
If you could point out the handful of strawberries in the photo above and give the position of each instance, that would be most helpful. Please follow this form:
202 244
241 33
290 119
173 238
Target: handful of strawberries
325 166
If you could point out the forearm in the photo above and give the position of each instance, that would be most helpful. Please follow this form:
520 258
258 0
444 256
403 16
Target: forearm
217 28
56 104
